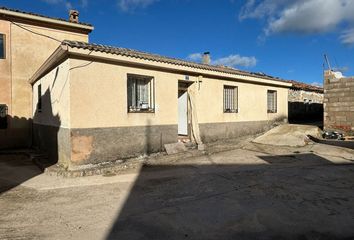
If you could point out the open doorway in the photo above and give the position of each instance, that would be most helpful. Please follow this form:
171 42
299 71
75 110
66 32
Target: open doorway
182 113
183 121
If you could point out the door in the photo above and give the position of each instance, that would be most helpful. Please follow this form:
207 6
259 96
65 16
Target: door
182 113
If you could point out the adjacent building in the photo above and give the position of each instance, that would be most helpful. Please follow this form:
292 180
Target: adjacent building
95 103
26 41
305 103
84 103
338 102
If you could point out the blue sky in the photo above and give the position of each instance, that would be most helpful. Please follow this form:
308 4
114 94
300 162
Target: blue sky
283 38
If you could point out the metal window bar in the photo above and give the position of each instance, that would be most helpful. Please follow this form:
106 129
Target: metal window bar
230 99
140 93
275 101
2 46
272 101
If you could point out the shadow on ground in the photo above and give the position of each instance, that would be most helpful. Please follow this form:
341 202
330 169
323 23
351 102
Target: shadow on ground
301 196
16 166
15 169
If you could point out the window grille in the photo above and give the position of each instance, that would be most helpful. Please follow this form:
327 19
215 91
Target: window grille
2 46
140 93
230 99
272 101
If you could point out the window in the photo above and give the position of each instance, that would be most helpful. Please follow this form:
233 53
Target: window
230 99
39 96
2 46
272 101
140 93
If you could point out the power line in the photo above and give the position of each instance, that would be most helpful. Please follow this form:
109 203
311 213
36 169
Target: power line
40 34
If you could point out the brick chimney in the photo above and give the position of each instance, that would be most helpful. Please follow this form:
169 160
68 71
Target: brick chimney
74 16
206 58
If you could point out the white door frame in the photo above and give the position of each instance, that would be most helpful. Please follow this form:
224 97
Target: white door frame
183 113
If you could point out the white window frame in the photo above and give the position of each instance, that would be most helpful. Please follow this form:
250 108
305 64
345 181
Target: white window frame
135 101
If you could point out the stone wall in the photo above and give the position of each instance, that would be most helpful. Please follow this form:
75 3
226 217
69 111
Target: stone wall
338 103
305 96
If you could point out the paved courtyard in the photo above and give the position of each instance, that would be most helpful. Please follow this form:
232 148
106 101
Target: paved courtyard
253 191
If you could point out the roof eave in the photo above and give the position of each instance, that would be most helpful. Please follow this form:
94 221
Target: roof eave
90 56
82 27
60 54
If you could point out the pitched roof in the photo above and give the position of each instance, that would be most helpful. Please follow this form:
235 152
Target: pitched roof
158 58
306 87
42 16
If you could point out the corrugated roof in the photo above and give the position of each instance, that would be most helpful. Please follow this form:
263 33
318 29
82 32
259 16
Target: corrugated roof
158 58
39 15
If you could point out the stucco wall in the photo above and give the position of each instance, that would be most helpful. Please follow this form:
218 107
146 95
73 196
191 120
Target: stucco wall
26 52
29 51
55 97
9 137
100 91
5 71
94 107
51 125
252 102
99 96
102 129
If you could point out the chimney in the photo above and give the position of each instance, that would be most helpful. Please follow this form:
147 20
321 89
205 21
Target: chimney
74 16
206 58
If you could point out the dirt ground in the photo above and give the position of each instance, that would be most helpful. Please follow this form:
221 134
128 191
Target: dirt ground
248 191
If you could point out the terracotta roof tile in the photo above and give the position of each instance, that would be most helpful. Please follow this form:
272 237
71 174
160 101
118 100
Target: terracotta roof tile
306 87
158 58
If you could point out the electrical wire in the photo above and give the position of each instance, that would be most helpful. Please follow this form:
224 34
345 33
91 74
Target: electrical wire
40 34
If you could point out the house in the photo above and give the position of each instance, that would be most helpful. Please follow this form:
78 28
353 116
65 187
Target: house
26 41
95 103
305 102
338 102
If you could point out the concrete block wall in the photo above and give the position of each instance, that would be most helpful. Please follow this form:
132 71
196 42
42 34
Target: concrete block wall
338 103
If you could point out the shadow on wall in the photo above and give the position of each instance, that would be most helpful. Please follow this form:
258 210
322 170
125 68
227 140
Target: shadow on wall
17 167
45 129
300 112
286 197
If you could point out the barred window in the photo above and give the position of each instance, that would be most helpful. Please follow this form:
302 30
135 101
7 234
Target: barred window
230 99
2 46
140 93
272 101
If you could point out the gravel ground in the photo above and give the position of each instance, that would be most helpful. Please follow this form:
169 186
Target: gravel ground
248 191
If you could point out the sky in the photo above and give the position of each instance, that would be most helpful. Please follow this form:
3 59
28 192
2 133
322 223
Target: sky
282 38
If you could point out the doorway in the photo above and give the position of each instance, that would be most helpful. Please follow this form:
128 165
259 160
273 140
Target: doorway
182 112
183 121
